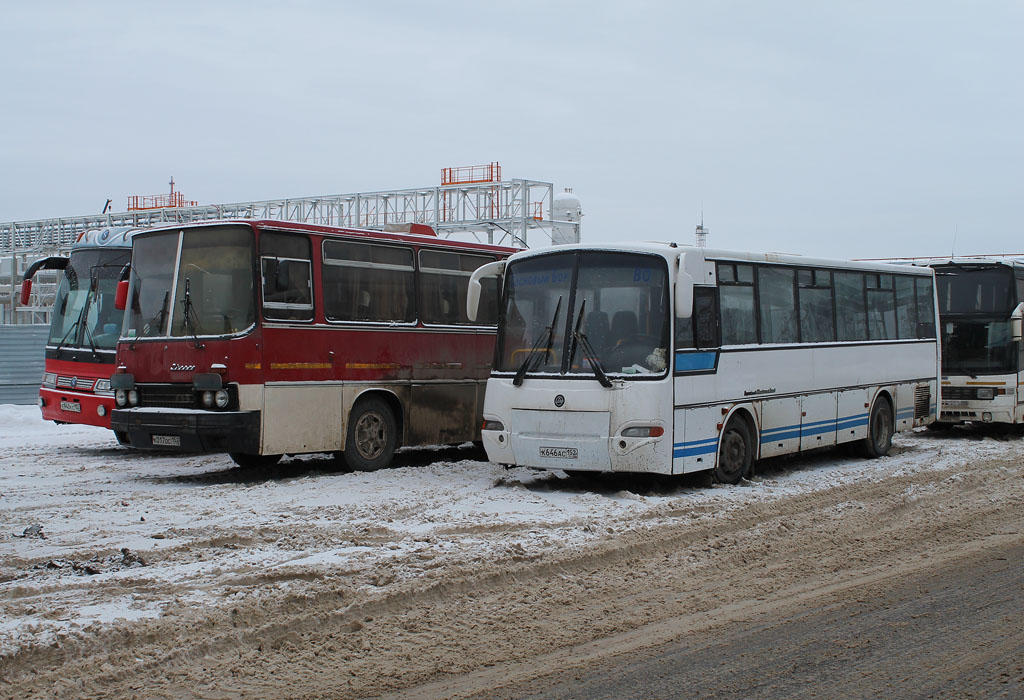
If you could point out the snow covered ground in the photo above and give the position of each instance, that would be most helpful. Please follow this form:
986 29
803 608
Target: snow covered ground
93 535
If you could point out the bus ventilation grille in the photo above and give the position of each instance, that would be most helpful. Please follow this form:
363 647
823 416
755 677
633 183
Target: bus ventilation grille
922 401
166 396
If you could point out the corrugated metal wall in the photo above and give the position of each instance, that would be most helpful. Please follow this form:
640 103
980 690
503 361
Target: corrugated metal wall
22 349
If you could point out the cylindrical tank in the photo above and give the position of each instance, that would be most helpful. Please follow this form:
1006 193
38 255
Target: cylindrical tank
566 210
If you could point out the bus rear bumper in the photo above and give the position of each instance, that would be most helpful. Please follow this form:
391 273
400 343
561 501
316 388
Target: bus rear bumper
188 430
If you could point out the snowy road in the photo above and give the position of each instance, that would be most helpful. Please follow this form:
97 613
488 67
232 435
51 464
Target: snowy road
171 559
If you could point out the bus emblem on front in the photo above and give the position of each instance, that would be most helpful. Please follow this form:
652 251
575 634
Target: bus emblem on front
559 400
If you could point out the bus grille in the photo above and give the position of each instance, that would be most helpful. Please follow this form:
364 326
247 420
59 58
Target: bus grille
922 401
166 396
960 393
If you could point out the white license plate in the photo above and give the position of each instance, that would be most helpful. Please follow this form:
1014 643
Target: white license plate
167 440
955 403
560 452
71 406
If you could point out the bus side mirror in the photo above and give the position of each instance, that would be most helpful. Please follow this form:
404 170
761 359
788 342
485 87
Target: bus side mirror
26 291
684 294
121 298
1017 322
473 293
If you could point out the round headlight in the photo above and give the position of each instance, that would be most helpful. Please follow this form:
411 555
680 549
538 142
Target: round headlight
101 410
133 397
222 398
207 399
121 397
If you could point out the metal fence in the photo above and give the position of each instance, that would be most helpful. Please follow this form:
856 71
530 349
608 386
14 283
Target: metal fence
22 349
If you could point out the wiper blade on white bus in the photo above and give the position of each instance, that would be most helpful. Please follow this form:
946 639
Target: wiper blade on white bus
579 339
547 337
591 356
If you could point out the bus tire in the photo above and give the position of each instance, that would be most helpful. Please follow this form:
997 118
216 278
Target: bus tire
247 460
735 453
371 437
880 430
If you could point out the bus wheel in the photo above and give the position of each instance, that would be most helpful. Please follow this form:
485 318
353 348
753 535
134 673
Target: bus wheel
880 430
372 436
735 454
246 460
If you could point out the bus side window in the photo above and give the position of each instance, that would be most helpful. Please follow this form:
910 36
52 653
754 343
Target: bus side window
287 268
736 296
925 309
705 317
701 329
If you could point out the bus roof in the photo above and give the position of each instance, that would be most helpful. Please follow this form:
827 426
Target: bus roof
421 239
672 250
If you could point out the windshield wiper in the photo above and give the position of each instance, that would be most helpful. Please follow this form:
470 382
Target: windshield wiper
78 321
548 337
191 321
579 339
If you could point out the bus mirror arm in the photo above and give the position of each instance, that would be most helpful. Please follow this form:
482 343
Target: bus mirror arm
473 293
1017 322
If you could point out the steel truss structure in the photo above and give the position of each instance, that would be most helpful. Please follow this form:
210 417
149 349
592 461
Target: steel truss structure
505 212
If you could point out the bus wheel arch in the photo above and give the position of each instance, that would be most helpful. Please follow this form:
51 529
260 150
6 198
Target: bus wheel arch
373 431
881 426
737 448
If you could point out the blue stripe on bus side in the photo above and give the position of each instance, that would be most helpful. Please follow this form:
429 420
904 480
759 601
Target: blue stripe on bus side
787 432
697 447
691 361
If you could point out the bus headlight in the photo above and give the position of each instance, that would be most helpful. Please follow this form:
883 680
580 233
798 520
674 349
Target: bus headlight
50 379
493 425
207 399
121 398
221 398
985 393
102 386
101 410
133 397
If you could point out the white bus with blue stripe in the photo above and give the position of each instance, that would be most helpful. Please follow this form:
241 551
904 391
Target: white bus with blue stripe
667 359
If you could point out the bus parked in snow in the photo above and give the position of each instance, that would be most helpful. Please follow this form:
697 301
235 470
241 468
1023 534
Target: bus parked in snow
981 304
263 338
658 358
84 327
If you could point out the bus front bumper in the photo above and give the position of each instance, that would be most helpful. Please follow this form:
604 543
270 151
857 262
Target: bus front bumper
188 430
63 406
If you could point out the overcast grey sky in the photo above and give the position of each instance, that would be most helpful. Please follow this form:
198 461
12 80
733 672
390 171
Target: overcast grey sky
837 129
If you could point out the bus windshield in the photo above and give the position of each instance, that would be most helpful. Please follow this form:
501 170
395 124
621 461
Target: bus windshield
197 282
83 310
978 346
617 301
975 290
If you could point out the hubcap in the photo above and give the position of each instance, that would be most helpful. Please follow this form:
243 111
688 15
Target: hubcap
370 435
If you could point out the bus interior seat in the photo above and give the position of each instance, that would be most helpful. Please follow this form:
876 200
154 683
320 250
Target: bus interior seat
597 329
623 325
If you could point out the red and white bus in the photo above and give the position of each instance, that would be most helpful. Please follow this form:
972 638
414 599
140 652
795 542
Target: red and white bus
84 327
264 338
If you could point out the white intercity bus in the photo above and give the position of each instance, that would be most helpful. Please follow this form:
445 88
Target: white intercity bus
667 359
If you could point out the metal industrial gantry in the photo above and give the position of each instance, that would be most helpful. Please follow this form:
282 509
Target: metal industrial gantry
471 202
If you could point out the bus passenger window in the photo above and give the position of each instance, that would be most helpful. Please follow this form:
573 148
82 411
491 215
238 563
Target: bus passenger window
286 270
736 293
851 313
443 284
778 306
368 282
815 303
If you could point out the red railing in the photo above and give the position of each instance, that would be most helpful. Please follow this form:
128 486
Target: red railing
158 201
471 174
